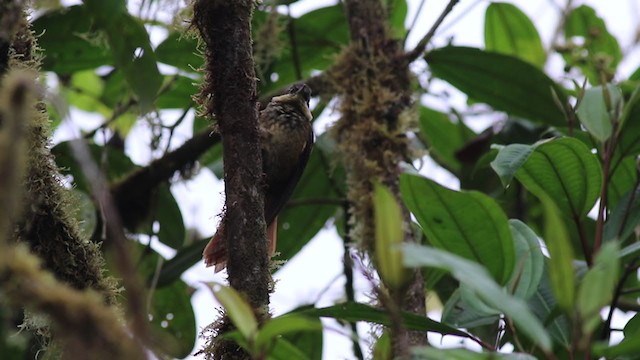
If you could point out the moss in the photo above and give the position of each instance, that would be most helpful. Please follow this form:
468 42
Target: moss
375 104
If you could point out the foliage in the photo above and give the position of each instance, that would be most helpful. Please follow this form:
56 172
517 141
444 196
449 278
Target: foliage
538 243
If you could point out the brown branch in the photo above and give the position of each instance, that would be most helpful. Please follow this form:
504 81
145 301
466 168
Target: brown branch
132 195
229 92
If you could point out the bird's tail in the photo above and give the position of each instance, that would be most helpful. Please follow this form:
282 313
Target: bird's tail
216 254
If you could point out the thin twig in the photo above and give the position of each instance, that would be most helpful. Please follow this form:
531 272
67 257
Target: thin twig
630 269
422 45
563 19
415 20
124 264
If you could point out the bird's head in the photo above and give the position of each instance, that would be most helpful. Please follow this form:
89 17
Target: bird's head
301 90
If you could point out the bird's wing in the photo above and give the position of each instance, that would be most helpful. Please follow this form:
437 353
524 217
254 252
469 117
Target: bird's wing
277 195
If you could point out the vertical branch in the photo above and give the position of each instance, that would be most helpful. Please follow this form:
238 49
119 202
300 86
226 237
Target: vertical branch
229 92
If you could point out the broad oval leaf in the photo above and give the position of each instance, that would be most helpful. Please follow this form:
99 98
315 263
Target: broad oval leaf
565 171
388 234
443 137
504 82
65 38
468 224
509 159
476 278
172 314
237 309
544 305
509 31
433 353
353 311
594 113
285 324
624 218
529 261
561 271
597 286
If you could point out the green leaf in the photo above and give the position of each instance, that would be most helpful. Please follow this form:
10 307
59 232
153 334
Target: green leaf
397 14
389 234
179 94
594 113
285 350
544 306
565 171
529 261
319 35
509 31
468 224
477 279
67 42
561 270
597 286
310 341
113 162
443 137
463 313
172 314
629 131
181 51
432 353
130 47
285 324
504 82
184 259
352 311
624 218
623 178
237 309
168 215
298 224
509 160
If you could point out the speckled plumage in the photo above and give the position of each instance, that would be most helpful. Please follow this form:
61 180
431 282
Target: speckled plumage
286 139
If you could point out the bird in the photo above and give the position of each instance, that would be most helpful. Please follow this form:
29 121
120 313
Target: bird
286 139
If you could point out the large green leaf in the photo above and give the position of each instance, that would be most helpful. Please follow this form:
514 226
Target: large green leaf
171 313
558 243
305 215
433 353
130 48
318 35
469 224
594 113
238 310
624 218
509 160
388 235
168 216
185 258
597 286
113 162
443 137
565 171
67 43
310 341
504 82
509 31
543 304
180 51
463 313
622 178
179 95
477 279
529 261
352 311
286 324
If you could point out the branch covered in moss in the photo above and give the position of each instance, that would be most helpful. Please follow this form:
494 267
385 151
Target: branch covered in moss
229 92
81 323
